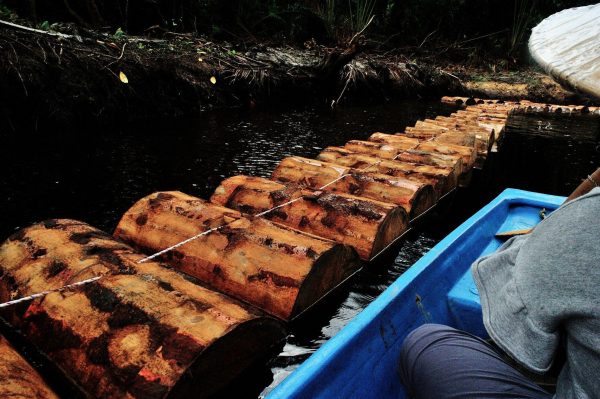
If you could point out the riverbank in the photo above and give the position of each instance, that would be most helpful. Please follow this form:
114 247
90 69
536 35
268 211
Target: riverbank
70 75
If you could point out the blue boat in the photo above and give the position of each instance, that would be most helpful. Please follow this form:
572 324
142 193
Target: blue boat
361 360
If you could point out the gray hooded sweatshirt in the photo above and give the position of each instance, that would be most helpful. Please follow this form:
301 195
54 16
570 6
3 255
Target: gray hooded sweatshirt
542 290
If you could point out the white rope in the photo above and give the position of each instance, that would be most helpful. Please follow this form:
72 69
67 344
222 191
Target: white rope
278 206
44 293
179 244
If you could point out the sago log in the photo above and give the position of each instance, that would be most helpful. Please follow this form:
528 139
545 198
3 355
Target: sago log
141 331
443 180
271 266
367 225
414 197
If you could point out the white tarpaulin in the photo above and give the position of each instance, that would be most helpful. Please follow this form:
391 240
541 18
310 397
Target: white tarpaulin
567 46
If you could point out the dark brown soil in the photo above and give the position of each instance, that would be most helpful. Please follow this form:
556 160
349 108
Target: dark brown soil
48 78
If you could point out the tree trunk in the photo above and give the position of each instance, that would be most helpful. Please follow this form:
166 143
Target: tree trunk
367 225
273 267
443 180
414 197
400 152
468 155
18 379
455 137
142 330
388 143
381 150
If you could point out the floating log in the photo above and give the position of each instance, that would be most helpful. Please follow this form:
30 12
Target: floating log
443 180
480 143
367 225
381 150
395 152
414 197
18 379
141 331
468 154
273 267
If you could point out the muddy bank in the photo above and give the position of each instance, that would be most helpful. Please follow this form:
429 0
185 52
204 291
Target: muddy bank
74 75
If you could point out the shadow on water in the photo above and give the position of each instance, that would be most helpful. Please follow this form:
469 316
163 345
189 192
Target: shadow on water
95 175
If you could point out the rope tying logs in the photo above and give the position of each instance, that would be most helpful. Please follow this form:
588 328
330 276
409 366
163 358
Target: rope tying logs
171 248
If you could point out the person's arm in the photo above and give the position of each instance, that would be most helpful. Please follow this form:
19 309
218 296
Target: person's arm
589 183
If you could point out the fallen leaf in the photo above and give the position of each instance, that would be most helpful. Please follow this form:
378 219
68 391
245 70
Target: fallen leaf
123 78
213 80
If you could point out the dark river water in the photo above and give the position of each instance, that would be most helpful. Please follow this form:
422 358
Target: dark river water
95 174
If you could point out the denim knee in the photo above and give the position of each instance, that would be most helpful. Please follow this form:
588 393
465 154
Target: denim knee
413 345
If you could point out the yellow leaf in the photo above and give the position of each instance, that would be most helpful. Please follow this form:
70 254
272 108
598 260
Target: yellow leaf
123 77
213 80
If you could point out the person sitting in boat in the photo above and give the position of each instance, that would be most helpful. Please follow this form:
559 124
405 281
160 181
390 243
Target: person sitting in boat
540 296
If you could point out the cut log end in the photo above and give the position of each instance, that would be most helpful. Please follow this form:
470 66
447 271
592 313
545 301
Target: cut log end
423 200
247 345
392 227
336 265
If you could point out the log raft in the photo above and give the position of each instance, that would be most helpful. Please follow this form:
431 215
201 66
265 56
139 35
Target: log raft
401 153
443 180
468 154
18 380
141 331
145 330
413 196
367 225
278 269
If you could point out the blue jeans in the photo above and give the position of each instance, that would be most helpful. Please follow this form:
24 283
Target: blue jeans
440 362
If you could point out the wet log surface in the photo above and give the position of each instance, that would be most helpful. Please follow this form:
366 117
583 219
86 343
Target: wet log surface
443 180
436 159
17 378
367 225
414 197
273 267
410 151
468 153
142 330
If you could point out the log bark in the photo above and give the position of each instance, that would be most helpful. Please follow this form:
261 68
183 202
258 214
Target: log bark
414 197
18 379
273 267
467 122
443 180
381 150
142 330
479 142
469 155
390 151
367 225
